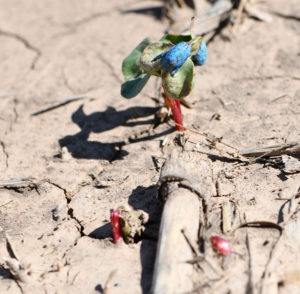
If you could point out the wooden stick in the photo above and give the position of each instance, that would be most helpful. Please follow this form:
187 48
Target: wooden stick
291 148
17 183
182 188
172 274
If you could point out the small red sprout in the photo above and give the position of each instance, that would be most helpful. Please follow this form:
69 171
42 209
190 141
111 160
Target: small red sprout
115 225
127 223
220 245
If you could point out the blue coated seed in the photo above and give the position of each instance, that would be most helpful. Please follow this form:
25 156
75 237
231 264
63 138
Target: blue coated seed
175 57
200 56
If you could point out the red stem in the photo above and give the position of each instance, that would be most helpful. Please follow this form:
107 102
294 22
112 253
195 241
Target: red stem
174 104
115 225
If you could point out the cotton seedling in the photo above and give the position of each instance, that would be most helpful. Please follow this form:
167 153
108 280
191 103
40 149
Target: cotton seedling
127 223
172 59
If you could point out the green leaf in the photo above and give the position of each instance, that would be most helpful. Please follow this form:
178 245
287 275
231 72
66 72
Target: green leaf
149 53
175 39
131 67
181 84
132 87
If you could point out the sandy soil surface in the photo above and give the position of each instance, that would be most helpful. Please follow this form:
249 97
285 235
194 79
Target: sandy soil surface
100 151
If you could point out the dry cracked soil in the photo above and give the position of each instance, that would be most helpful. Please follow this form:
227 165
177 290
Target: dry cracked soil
74 160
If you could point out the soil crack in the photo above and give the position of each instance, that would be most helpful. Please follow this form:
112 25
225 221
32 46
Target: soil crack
66 83
16 115
111 68
3 146
26 43
81 227
87 19
67 195
70 210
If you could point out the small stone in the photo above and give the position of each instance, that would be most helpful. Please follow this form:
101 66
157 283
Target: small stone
65 154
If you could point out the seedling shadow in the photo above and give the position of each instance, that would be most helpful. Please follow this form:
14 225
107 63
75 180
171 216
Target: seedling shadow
144 199
79 145
102 232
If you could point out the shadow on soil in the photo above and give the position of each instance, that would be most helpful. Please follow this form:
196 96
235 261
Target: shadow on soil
5 274
142 198
79 145
156 12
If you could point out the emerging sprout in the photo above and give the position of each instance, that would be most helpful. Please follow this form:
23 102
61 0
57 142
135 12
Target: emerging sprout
127 223
220 245
172 59
115 225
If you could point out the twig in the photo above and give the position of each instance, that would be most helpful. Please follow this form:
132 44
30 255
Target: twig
261 224
17 183
62 103
291 207
274 247
253 11
210 20
264 275
68 99
190 242
250 281
155 163
266 78
9 247
286 16
212 139
74 278
108 282
278 97
289 149
226 217
240 12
